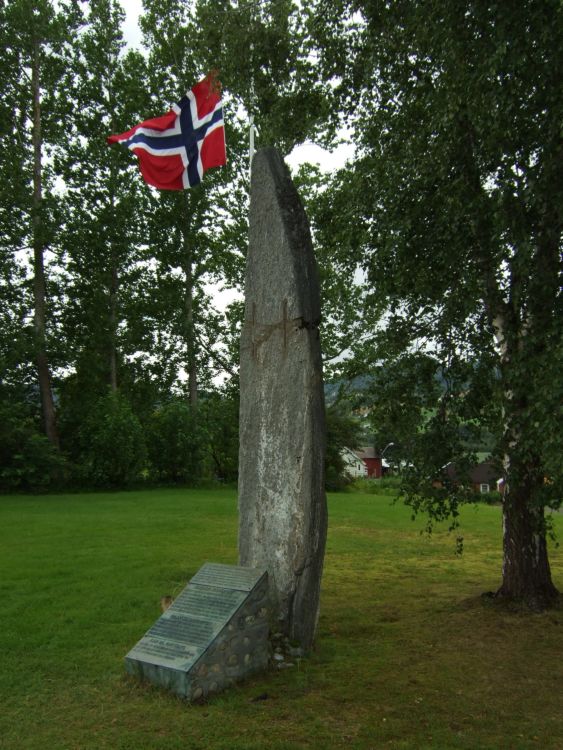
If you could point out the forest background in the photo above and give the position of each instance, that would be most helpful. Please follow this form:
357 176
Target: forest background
118 366
439 244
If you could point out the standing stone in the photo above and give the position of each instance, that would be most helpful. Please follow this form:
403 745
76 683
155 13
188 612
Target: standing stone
282 503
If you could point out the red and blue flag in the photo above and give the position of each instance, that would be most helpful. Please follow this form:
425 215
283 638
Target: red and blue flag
176 149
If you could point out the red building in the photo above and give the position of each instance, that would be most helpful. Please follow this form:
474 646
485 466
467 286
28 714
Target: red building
373 462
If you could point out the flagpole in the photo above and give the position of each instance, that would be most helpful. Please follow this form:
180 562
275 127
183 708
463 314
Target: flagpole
251 150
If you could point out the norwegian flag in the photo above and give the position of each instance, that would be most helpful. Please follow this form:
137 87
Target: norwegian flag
176 149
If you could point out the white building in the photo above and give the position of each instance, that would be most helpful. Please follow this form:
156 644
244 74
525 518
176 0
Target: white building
353 464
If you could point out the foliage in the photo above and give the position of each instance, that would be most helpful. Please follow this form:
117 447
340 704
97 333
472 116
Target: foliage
266 62
341 294
390 486
454 210
115 452
342 431
128 271
175 441
490 498
103 267
196 237
220 415
35 45
28 461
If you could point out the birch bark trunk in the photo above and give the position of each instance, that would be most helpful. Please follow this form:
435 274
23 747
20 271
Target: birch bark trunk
526 574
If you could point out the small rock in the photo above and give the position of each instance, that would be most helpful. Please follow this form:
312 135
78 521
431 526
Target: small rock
261 697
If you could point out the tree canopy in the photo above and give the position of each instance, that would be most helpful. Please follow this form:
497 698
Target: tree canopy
456 197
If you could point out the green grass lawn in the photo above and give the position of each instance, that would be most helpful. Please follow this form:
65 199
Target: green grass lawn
407 655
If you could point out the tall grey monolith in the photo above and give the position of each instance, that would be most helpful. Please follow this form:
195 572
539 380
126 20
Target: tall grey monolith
282 502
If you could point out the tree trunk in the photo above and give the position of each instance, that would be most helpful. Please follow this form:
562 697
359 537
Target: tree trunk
526 574
39 286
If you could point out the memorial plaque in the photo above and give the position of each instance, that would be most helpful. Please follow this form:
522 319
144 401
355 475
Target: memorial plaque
228 576
214 633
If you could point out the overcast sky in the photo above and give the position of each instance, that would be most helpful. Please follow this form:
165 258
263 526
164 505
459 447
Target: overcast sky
131 32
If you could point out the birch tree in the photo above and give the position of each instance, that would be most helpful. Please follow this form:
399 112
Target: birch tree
455 209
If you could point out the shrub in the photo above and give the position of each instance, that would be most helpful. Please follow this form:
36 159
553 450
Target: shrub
490 498
385 486
28 461
219 412
114 443
176 443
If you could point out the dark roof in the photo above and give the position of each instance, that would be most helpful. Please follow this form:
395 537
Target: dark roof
486 472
